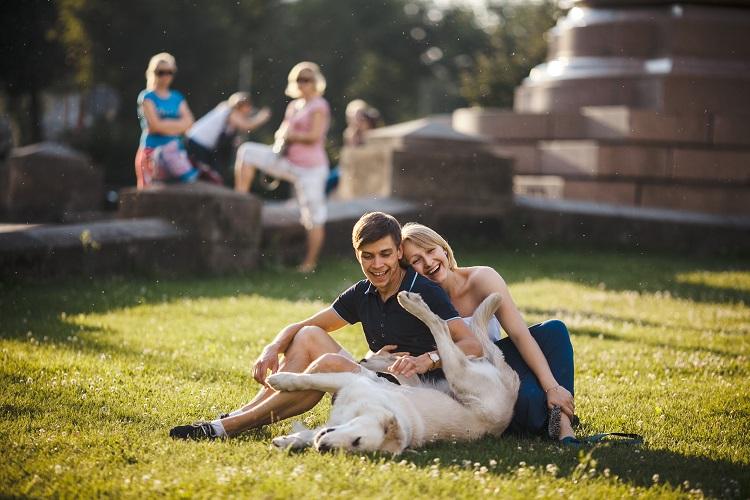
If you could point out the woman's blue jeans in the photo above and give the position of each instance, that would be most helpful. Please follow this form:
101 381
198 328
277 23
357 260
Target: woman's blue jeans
531 412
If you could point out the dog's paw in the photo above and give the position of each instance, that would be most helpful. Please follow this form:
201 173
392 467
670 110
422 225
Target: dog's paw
291 442
282 381
412 302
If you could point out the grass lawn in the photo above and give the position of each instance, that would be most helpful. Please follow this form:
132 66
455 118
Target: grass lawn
94 373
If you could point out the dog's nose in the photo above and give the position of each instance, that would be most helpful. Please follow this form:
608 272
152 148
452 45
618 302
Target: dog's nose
322 447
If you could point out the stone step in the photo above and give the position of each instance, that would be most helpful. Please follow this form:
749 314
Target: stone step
612 123
147 245
636 162
696 197
613 226
284 237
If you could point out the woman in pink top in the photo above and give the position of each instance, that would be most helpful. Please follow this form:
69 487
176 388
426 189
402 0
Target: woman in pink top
298 156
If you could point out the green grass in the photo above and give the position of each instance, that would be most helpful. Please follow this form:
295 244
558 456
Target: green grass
94 373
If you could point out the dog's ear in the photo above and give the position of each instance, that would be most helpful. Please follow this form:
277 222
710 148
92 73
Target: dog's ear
396 438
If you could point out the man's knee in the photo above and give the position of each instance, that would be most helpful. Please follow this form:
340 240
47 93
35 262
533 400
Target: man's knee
331 362
313 341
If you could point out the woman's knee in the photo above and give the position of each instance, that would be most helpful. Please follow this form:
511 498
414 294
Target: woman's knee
552 332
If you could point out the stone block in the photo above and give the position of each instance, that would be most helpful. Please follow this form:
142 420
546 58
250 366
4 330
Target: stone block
428 162
618 193
717 166
41 251
525 156
594 159
502 124
44 182
728 200
731 129
638 38
365 171
222 227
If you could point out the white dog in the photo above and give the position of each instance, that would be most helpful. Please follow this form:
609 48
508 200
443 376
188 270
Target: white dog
372 414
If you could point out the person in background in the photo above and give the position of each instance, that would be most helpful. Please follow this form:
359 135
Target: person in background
298 156
213 133
360 117
164 115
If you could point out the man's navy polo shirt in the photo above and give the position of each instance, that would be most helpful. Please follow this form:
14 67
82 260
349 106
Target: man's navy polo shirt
389 323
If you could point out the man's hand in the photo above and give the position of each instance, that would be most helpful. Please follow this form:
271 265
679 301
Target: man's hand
388 349
268 360
409 365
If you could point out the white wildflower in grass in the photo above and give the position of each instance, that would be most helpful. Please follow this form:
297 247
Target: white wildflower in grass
655 478
297 471
493 463
551 469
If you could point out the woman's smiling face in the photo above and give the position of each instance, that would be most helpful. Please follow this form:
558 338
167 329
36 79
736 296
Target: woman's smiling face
430 262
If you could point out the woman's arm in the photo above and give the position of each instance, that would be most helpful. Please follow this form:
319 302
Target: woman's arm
240 122
488 281
316 132
157 125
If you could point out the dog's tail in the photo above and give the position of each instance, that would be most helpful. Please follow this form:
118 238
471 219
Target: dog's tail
479 324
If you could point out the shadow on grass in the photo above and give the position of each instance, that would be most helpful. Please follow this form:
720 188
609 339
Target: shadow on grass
635 465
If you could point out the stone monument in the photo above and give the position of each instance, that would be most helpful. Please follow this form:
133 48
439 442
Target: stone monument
640 103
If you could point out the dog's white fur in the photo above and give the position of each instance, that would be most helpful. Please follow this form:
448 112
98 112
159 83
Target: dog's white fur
372 414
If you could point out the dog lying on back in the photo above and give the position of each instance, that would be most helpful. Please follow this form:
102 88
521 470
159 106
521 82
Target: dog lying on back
372 414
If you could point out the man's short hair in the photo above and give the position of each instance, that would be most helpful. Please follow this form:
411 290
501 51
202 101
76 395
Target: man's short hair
374 226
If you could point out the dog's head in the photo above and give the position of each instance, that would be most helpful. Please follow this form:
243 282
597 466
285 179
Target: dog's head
366 433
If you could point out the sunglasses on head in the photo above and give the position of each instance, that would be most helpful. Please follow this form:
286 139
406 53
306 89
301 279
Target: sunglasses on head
304 79
164 72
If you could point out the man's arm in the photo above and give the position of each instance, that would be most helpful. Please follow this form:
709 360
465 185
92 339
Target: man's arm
327 319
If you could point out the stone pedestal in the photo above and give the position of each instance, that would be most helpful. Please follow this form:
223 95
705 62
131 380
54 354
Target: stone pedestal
222 228
450 174
48 182
682 57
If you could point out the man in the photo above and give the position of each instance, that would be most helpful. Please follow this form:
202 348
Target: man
308 347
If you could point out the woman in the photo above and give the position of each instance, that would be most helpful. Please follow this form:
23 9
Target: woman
164 115
299 155
212 135
542 355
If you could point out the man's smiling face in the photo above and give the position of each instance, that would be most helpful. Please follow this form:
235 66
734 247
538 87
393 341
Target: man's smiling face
379 261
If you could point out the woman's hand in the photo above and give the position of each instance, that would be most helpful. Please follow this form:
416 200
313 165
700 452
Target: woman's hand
409 365
560 396
268 360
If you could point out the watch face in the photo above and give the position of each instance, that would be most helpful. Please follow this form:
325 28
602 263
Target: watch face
434 357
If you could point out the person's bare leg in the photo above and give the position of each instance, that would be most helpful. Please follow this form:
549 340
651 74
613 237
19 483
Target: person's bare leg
566 429
243 176
315 238
281 405
310 343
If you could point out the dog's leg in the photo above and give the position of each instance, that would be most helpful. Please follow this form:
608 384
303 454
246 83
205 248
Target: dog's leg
451 356
301 438
325 382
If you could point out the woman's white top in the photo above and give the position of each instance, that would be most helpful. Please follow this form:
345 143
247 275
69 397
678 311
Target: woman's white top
494 331
208 128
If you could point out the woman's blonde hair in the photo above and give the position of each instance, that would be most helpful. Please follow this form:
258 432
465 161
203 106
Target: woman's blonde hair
153 63
427 238
292 90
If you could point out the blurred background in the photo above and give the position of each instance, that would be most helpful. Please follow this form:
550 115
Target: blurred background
70 70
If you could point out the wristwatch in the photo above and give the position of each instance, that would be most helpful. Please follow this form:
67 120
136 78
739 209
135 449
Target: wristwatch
435 357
